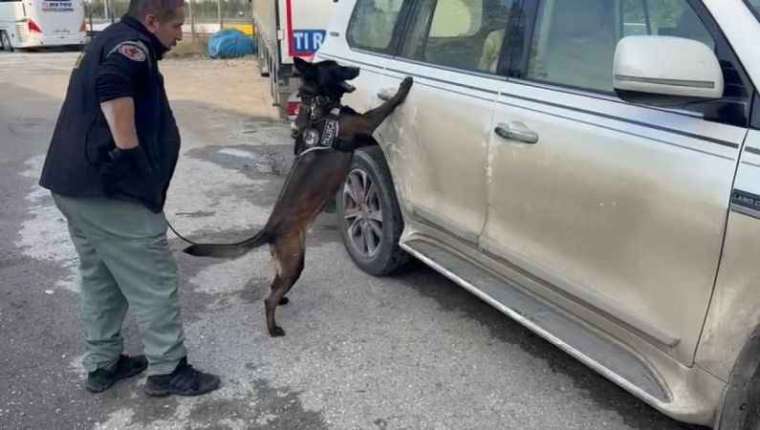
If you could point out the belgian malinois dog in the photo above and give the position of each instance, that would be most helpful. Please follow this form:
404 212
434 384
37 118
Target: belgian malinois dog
326 134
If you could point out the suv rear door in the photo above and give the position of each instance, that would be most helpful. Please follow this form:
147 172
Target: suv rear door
616 207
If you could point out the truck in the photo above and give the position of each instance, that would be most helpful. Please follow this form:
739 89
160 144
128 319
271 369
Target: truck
286 29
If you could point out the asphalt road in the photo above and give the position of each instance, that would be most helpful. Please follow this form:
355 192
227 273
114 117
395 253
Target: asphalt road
411 352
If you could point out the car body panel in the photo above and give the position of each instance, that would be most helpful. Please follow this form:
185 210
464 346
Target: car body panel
614 207
734 312
615 219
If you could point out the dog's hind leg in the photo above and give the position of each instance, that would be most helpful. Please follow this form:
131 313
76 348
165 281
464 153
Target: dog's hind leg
284 300
288 253
270 304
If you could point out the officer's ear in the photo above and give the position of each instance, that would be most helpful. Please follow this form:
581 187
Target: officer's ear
151 22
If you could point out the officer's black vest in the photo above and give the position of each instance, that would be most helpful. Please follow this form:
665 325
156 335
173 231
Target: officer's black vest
82 139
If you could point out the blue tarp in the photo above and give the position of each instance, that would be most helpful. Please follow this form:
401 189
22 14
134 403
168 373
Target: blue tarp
230 43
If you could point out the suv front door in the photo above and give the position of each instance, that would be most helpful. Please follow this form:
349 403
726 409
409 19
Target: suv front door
616 208
440 141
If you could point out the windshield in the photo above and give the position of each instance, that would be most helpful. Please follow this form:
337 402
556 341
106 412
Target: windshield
755 6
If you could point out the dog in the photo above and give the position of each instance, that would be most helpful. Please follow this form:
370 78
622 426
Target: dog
326 134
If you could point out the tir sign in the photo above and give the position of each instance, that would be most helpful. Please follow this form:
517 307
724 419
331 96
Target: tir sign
307 42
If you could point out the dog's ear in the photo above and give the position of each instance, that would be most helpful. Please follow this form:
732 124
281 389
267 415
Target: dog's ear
348 73
301 65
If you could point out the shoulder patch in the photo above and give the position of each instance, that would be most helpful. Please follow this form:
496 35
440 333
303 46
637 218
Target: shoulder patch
133 50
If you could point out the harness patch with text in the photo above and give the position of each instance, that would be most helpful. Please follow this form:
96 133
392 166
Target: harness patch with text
330 132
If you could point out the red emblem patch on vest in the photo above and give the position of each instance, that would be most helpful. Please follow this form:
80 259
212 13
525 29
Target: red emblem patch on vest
132 52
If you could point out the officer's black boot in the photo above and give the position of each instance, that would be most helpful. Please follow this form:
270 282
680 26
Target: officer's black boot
102 379
183 381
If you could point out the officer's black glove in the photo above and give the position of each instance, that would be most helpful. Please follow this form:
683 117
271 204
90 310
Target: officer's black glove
121 163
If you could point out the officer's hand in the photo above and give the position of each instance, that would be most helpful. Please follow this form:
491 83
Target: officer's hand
122 163
113 170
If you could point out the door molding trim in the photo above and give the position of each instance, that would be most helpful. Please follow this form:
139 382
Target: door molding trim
587 297
632 373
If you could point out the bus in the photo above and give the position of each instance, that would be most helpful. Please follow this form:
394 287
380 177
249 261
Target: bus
41 23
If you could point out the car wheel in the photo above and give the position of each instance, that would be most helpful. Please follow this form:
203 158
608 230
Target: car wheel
741 410
741 400
5 42
263 63
370 218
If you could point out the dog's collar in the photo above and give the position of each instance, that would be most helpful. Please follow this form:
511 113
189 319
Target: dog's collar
318 105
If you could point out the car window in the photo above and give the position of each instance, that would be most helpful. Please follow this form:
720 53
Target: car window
466 34
574 42
663 18
754 5
372 24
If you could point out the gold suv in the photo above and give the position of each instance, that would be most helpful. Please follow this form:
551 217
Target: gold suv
591 168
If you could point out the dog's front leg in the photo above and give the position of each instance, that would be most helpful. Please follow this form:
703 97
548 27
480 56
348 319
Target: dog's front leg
376 116
355 126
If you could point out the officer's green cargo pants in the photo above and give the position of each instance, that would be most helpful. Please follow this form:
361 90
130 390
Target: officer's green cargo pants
125 260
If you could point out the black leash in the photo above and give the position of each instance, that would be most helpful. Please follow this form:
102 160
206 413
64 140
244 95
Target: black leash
317 107
171 227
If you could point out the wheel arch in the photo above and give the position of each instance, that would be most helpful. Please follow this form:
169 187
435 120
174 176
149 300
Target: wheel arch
742 394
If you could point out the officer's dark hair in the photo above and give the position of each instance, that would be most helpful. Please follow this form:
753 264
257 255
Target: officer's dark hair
164 10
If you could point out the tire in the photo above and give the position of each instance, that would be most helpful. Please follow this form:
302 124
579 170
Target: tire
741 410
5 42
273 84
371 227
741 400
263 62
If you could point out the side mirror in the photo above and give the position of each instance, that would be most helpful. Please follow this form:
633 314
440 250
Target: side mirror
666 71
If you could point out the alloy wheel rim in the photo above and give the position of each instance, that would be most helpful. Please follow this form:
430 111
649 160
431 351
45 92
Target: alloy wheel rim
363 213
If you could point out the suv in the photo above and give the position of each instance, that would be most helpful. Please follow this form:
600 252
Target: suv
591 168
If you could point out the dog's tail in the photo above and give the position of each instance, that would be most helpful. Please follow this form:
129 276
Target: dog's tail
231 250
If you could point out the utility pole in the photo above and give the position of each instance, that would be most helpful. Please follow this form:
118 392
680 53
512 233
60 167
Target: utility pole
219 13
107 10
92 29
192 21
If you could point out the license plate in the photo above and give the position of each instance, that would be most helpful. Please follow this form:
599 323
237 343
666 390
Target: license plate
57 6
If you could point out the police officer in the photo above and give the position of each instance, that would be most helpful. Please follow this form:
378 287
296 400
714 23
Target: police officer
111 159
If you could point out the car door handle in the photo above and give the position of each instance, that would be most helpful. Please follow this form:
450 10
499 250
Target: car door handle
386 94
516 131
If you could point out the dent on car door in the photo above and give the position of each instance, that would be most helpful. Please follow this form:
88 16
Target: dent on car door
619 208
438 156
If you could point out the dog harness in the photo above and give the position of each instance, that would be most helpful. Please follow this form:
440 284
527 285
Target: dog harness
324 131
323 127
